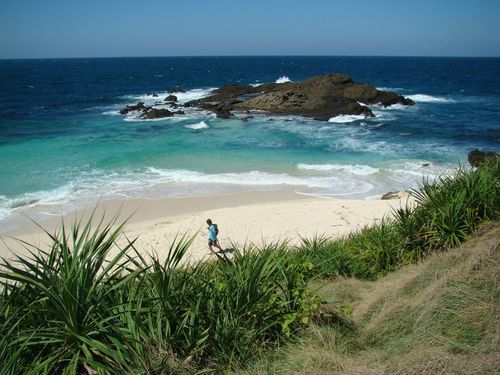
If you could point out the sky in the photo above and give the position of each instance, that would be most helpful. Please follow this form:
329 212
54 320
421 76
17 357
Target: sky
112 28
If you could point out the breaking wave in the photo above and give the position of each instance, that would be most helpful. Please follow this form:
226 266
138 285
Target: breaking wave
198 125
423 98
344 119
283 79
357 169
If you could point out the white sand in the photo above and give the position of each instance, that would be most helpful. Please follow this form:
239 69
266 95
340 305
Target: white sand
257 217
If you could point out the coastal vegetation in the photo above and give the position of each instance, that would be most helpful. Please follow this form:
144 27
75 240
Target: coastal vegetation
84 306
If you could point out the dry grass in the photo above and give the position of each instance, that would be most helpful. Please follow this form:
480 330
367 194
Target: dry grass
441 316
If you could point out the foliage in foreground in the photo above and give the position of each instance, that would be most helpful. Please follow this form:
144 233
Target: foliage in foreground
84 307
439 316
448 210
78 308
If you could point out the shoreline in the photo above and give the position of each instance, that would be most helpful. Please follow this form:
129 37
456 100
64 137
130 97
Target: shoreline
243 218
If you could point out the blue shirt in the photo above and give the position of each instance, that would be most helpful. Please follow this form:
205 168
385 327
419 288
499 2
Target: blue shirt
211 230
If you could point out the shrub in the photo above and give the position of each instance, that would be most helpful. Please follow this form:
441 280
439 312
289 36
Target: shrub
449 209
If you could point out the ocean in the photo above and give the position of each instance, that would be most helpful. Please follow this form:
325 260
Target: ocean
63 143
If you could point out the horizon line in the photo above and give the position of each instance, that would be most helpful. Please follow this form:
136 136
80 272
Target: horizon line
256 55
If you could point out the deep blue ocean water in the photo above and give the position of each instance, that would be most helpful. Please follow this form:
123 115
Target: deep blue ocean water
62 141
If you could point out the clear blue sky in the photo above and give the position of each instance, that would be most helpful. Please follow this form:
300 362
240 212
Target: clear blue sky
104 28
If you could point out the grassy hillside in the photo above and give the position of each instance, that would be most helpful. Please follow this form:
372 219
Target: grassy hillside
441 316
82 307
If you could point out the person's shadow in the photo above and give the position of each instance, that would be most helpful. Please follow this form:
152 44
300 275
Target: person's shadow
228 250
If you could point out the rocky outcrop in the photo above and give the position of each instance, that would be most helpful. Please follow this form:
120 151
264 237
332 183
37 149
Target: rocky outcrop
175 90
318 97
149 112
477 157
154 113
223 111
171 98
130 108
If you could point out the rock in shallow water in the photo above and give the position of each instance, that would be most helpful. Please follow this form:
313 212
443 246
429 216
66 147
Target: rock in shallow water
174 90
154 113
130 108
478 157
171 98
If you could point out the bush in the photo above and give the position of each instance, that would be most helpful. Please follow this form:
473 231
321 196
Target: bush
449 209
73 310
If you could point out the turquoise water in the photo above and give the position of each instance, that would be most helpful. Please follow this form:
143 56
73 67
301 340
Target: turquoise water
62 141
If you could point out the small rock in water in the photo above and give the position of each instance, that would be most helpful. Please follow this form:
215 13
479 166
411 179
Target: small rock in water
156 113
223 111
478 157
171 98
129 108
174 90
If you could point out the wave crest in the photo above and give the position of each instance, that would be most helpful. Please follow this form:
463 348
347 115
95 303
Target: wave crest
198 125
283 79
344 119
357 169
423 98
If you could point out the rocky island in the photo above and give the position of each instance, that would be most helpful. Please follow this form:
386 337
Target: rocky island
321 98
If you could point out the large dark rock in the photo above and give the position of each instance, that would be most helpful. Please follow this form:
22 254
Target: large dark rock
477 157
223 111
130 108
318 97
174 90
171 98
156 113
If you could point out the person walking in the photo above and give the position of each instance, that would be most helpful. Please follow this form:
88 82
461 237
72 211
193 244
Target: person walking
213 231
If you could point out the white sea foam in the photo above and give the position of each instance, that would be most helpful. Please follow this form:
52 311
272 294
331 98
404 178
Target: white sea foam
357 169
192 95
423 98
371 126
325 185
390 107
328 179
198 125
182 97
111 113
242 178
383 113
45 197
344 119
89 188
394 89
135 117
283 79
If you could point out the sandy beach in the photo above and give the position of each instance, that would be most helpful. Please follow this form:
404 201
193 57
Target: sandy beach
243 218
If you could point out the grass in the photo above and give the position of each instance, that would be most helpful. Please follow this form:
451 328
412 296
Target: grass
439 316
85 307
